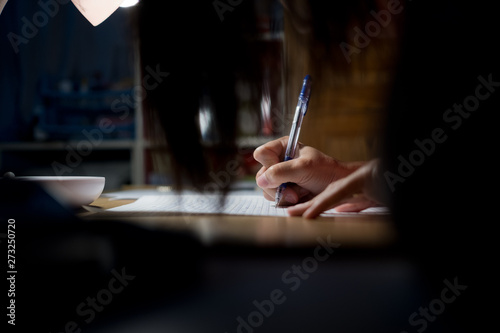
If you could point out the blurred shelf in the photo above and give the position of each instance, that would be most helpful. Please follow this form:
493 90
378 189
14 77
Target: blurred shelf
135 147
59 145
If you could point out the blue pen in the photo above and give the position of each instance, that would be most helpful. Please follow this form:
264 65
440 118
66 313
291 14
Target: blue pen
293 139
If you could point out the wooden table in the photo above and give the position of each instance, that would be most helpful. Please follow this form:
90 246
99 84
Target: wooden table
215 270
360 230
239 261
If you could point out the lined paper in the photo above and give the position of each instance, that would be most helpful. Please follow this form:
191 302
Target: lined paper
234 204
204 204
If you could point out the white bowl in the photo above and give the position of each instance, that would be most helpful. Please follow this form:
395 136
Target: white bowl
72 190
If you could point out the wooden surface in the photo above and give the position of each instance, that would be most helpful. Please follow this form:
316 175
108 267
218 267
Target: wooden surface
359 230
348 100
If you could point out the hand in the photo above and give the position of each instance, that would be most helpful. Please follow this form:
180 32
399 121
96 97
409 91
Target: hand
355 192
311 171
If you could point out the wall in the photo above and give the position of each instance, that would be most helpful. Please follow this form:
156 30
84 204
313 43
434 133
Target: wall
347 107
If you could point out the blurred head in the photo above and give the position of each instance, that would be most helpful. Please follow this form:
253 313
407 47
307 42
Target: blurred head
204 57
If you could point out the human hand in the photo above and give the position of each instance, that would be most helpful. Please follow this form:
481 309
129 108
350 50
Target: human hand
310 171
355 192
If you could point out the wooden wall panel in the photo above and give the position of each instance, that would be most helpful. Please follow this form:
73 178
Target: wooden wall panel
346 110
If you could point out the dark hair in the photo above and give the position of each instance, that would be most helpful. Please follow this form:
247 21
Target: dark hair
205 55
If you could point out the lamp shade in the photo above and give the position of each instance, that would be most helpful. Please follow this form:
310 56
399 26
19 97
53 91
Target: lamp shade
96 11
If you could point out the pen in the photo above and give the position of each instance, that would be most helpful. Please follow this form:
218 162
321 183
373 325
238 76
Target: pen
293 139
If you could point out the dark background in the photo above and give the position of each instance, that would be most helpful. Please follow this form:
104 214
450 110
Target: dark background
444 212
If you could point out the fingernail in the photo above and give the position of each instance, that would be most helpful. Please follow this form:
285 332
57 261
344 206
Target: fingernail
262 181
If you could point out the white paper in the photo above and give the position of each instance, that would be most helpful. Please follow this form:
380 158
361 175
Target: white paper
234 204
236 188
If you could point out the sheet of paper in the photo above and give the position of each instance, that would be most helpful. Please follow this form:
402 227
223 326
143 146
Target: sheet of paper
234 204
238 187
203 204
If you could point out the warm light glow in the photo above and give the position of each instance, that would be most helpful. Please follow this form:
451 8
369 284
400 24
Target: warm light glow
96 11
2 4
129 3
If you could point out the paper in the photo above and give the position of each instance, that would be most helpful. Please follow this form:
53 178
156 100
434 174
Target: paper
203 204
238 187
234 204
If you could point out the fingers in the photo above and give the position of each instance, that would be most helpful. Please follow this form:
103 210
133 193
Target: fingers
291 195
260 172
269 179
299 209
272 152
330 198
354 206
357 204
294 171
268 192
294 194
335 194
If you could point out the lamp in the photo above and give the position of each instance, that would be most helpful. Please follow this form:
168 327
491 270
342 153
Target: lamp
129 3
2 4
97 11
